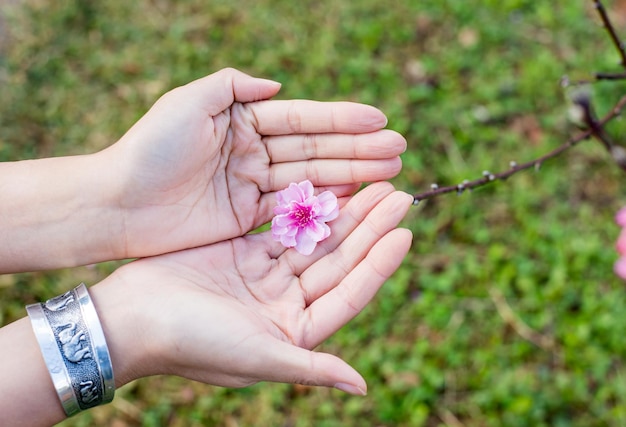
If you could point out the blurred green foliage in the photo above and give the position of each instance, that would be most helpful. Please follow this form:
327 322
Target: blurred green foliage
472 85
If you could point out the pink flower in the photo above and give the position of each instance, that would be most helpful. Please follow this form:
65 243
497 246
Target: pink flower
301 217
620 217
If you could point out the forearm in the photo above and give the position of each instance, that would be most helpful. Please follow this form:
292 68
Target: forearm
29 397
57 212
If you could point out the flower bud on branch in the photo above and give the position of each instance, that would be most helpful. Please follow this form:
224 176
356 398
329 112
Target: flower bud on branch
618 153
584 116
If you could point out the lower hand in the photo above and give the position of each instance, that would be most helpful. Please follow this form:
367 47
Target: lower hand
248 310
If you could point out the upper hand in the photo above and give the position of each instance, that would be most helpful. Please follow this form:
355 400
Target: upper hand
204 163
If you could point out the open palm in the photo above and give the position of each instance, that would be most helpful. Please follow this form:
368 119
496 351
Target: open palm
204 163
248 310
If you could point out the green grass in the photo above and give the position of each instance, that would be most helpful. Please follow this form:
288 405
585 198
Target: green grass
472 85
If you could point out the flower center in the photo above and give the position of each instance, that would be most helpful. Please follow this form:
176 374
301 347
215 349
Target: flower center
302 215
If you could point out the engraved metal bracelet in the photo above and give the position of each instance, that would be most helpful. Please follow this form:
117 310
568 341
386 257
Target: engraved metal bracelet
74 349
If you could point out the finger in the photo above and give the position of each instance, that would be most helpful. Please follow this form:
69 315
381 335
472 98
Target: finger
349 218
331 269
341 191
333 172
219 90
302 116
295 365
382 144
333 310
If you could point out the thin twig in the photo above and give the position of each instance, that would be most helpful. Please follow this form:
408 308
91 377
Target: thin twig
448 417
595 128
611 30
610 76
598 131
512 319
489 177
589 118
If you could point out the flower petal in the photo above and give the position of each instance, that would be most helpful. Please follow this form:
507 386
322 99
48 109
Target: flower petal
329 206
304 244
282 220
288 240
318 231
307 189
620 217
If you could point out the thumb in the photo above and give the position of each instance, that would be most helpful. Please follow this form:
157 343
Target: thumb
296 365
219 90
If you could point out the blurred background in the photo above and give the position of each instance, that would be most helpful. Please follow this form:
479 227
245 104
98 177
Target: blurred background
506 311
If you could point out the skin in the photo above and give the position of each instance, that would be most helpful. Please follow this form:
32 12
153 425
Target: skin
201 166
232 313
180 191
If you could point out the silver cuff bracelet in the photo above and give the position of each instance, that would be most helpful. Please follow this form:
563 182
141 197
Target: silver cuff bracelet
74 349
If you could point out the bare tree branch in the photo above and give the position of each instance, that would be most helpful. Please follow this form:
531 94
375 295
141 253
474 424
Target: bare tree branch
611 30
593 128
489 177
610 76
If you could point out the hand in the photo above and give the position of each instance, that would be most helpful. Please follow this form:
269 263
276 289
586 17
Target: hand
248 310
204 163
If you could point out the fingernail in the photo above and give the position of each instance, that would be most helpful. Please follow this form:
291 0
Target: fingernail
351 389
272 82
381 120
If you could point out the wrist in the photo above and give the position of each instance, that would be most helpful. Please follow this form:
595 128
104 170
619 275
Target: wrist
24 370
108 191
74 349
94 216
124 327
